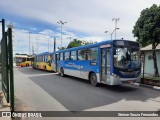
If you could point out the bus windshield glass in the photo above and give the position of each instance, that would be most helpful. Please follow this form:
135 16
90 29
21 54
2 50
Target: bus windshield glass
23 59
126 57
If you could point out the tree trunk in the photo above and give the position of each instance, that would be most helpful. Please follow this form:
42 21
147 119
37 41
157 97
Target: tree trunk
156 73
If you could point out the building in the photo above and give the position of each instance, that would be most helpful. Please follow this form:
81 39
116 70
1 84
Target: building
147 60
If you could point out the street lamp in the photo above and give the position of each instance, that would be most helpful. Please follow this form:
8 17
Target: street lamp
61 23
112 32
115 19
109 33
69 38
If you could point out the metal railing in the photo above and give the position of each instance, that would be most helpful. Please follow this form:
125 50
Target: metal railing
7 65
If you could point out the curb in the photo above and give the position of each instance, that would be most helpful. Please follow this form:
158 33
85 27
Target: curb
5 107
3 101
148 86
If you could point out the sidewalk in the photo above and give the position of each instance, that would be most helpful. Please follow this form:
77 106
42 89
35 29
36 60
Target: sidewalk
3 103
149 86
4 106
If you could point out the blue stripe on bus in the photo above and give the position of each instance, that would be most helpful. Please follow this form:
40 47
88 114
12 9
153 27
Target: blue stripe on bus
83 65
126 76
86 46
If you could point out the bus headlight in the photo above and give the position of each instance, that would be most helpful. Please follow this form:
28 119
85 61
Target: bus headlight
115 75
137 74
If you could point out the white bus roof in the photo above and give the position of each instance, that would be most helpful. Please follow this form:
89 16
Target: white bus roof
21 56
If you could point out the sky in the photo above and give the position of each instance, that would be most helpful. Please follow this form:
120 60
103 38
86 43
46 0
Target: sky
36 20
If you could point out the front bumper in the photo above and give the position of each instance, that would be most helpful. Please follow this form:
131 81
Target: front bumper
117 80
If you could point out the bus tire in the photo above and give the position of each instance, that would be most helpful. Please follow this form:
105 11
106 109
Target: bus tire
45 69
27 65
93 79
62 72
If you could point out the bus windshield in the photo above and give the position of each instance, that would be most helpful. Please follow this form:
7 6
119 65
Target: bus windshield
23 59
18 60
126 57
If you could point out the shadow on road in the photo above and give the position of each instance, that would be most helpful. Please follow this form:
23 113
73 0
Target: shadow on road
77 94
30 70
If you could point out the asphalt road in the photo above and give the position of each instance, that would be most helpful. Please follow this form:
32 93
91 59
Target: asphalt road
40 90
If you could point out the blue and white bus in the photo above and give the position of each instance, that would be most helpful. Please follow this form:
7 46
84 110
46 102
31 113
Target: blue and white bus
112 62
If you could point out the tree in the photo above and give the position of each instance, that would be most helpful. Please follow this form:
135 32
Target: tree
62 48
147 30
76 43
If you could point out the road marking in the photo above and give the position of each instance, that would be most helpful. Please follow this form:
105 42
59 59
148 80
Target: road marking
155 87
137 84
44 74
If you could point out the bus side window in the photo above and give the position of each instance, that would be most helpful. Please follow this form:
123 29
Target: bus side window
40 58
73 55
82 54
43 58
61 56
92 53
66 55
51 58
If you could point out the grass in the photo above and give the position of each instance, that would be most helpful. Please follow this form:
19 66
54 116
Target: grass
152 78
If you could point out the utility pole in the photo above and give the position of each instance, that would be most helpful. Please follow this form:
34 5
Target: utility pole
3 27
29 42
32 50
54 44
115 19
61 23
37 46
48 44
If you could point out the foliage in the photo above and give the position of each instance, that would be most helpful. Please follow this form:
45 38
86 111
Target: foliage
147 27
61 48
76 43
147 30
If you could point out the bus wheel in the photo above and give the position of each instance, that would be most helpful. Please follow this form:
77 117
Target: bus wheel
62 72
45 68
93 79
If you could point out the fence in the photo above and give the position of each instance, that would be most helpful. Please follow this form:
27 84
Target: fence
7 65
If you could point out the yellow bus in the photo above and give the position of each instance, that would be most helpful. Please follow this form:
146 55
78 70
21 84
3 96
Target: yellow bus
26 62
23 60
43 61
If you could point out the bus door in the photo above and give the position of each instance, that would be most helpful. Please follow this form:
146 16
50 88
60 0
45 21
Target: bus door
57 61
105 64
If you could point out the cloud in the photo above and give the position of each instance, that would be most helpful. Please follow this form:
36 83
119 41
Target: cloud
86 19
87 16
39 40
